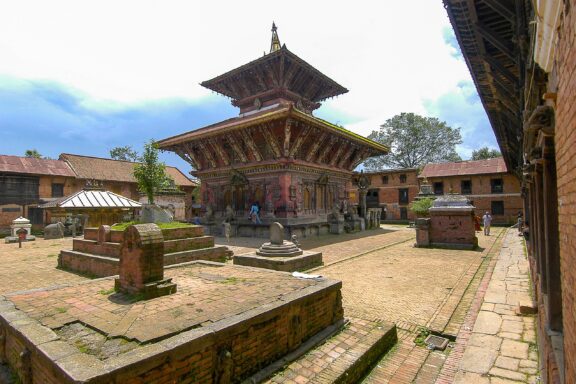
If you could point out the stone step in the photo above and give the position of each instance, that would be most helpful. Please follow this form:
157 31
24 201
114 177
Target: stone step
344 358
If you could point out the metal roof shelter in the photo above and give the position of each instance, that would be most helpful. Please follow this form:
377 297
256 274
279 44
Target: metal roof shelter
92 199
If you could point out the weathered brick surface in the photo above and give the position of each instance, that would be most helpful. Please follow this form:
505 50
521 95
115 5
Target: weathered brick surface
565 137
253 316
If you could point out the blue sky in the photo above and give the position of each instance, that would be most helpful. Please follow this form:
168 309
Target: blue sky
105 74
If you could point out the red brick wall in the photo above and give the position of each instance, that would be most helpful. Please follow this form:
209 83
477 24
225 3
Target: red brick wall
565 137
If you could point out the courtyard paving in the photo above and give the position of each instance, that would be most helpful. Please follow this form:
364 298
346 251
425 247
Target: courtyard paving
385 278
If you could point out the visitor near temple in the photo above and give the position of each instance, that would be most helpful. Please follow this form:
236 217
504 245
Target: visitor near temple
487 220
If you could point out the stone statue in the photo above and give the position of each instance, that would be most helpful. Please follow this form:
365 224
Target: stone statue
229 215
54 231
334 216
209 213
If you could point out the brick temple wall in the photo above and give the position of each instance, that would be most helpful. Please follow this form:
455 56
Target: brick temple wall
565 137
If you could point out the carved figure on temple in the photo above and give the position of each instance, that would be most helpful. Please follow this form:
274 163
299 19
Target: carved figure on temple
334 216
230 215
209 217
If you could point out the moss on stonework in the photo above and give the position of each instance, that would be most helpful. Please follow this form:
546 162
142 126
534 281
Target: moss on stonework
123 226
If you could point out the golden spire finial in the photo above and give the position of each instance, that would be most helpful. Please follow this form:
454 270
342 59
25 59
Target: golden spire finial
275 45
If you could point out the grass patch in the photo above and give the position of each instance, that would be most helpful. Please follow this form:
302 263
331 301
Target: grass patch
61 309
106 292
123 226
52 255
422 335
231 280
81 346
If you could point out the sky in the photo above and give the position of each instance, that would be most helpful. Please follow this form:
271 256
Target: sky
83 77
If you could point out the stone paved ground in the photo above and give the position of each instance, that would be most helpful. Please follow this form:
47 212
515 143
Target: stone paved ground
497 344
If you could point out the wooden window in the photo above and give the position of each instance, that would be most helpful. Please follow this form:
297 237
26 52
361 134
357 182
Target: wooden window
497 208
385 179
466 187
57 190
438 188
497 185
403 196
403 178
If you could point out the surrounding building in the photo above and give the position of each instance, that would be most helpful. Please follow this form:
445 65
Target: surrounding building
276 153
522 58
117 176
26 183
393 190
486 183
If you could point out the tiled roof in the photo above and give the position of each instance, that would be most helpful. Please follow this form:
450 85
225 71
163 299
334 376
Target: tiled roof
29 165
477 167
93 199
98 168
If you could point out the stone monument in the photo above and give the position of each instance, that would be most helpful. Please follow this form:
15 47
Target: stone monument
279 254
142 262
451 224
20 223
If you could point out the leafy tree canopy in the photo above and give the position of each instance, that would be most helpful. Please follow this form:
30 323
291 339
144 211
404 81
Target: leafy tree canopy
485 153
33 153
125 153
151 173
414 141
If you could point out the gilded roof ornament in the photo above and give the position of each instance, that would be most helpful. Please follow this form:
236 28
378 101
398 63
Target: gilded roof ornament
275 44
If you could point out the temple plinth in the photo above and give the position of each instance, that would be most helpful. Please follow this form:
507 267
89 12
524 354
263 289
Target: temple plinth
276 153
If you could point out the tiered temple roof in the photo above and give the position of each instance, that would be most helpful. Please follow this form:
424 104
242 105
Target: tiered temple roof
276 95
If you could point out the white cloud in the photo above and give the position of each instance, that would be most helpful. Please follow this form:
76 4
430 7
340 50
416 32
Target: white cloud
389 54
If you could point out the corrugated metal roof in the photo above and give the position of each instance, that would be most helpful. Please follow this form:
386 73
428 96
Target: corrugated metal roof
97 168
462 168
33 166
93 199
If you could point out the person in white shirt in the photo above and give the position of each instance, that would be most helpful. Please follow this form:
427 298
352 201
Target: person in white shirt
487 220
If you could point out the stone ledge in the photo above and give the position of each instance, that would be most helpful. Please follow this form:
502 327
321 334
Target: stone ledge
303 262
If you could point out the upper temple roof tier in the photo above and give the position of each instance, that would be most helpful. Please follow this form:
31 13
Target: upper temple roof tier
275 77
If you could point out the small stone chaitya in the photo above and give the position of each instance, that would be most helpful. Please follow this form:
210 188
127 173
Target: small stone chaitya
280 254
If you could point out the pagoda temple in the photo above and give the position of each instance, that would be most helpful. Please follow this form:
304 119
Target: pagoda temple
276 153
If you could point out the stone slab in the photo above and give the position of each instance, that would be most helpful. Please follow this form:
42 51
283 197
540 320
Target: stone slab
303 262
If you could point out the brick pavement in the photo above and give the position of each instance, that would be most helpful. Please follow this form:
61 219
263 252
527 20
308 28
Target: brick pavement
33 265
409 286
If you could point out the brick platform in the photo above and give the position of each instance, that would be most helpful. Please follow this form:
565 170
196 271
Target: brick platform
98 253
224 321
287 264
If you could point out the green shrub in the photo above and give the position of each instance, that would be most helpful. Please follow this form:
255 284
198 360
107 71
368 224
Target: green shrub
421 207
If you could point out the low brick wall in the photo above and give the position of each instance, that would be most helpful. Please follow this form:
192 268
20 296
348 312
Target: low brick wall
226 351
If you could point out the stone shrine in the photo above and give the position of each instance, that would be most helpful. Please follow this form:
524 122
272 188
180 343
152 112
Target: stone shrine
451 224
279 254
275 153
20 223
142 263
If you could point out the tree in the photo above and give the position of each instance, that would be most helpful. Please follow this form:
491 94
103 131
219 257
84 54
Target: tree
125 153
485 153
414 141
33 153
151 173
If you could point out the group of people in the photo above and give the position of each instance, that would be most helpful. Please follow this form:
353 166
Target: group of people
486 221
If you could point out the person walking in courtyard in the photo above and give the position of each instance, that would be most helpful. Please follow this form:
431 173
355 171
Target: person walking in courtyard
254 213
487 220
